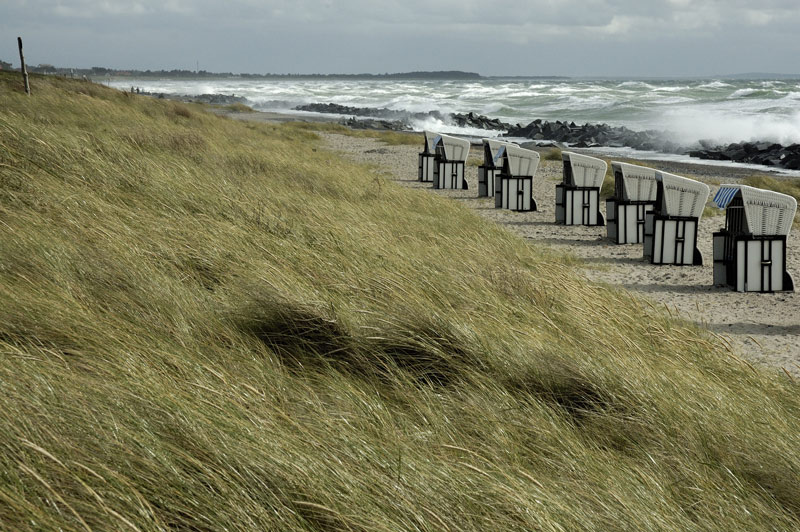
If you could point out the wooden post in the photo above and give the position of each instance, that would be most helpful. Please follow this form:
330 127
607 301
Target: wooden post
23 68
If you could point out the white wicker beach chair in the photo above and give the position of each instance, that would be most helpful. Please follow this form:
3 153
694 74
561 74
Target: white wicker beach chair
578 195
750 251
490 169
451 159
635 190
670 229
682 196
584 171
638 183
514 188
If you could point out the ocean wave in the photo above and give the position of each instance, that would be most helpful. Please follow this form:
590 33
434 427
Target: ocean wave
714 85
670 89
692 125
641 84
744 93
672 100
440 126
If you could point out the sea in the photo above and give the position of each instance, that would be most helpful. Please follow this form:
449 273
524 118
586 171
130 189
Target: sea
720 111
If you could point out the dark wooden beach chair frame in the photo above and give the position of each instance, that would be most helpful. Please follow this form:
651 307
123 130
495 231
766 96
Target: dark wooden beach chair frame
655 228
565 198
427 164
618 212
448 174
487 174
736 239
510 192
656 224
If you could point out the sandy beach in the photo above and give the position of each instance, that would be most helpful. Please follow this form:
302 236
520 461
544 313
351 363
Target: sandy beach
761 328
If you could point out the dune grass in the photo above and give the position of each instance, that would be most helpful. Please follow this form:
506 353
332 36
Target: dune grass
391 138
554 154
238 107
214 325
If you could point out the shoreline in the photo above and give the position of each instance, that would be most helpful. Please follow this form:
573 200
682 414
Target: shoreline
689 168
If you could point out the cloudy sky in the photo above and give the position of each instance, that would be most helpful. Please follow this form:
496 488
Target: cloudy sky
500 37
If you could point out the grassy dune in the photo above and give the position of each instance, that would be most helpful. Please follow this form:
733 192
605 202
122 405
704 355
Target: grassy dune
214 325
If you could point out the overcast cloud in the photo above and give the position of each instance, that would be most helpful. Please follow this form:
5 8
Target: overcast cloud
533 37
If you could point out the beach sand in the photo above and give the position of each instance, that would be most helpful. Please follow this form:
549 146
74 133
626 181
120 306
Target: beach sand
761 328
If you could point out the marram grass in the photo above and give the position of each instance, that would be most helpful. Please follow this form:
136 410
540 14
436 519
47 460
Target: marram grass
215 325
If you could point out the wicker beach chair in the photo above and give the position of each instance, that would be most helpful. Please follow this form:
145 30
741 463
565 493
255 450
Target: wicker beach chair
490 169
451 159
634 196
578 195
670 229
514 185
750 251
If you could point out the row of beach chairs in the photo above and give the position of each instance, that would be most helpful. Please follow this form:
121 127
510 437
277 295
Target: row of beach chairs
657 209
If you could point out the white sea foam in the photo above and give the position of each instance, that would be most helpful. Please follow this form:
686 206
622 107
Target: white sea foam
434 124
692 125
669 89
714 85
741 93
636 84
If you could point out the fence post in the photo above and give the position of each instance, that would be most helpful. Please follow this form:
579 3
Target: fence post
23 68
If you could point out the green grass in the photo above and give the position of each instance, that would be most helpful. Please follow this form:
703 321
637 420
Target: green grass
552 155
391 138
207 324
239 108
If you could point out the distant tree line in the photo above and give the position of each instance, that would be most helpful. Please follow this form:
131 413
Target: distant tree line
98 71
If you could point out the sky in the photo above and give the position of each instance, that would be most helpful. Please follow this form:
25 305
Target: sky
626 38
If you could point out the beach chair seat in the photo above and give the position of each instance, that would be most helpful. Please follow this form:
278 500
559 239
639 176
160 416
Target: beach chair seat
491 167
514 183
634 196
427 158
750 251
451 160
670 229
578 195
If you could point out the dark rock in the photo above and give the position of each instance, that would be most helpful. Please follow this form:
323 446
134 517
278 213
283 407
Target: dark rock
379 125
381 113
736 154
763 146
792 162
